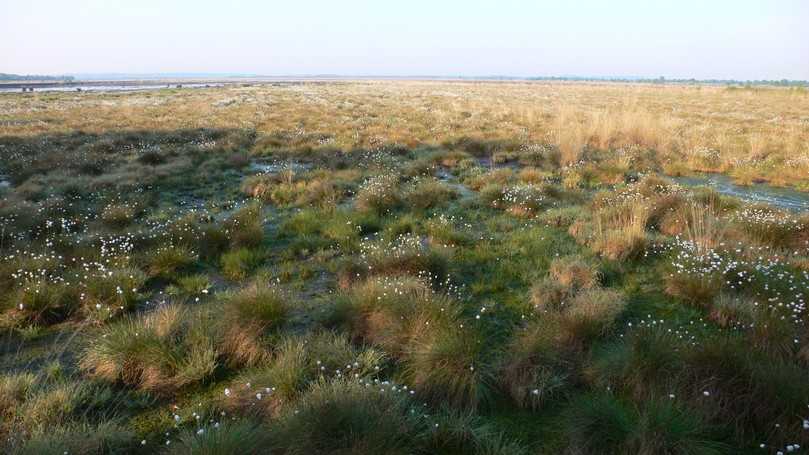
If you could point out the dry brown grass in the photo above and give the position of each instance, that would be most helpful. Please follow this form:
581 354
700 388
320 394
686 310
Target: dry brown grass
759 133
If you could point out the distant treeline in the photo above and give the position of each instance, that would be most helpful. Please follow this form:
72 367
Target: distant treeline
663 80
33 77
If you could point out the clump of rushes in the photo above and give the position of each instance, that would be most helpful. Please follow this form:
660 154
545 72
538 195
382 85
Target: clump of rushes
213 241
115 291
606 424
767 226
442 230
461 431
425 194
591 314
697 224
105 437
599 423
245 227
14 389
492 179
729 310
247 315
747 389
574 304
119 216
296 363
647 362
391 311
722 376
379 194
346 227
406 254
160 352
695 277
451 158
190 286
261 186
549 295
241 436
286 190
36 407
535 365
523 200
303 223
54 401
41 302
532 175
238 264
444 357
574 273
451 363
346 416
567 277
166 261
621 235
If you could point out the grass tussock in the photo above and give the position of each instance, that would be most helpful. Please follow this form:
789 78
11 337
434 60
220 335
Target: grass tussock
159 352
249 314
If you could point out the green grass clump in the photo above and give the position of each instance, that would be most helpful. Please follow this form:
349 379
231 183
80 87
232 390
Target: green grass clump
450 364
607 424
536 365
160 352
245 227
102 438
249 314
41 302
698 288
345 416
238 264
575 274
428 194
591 314
391 311
243 436
379 194
296 362
119 216
408 254
113 292
191 285
167 261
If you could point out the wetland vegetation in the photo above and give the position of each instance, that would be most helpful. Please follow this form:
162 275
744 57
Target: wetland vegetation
404 267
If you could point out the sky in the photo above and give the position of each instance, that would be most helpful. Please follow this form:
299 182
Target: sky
738 39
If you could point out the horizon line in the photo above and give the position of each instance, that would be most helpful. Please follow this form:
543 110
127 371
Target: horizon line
179 74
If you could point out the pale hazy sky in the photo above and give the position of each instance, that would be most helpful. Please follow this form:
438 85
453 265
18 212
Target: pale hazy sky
742 39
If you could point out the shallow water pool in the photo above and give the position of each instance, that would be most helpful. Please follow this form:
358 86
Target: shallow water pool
785 198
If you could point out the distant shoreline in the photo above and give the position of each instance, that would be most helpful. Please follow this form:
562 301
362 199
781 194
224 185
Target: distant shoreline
230 80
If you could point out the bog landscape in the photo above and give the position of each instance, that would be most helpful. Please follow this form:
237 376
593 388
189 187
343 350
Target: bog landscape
405 266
